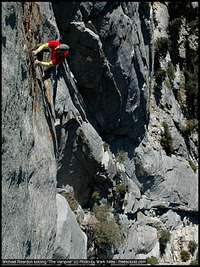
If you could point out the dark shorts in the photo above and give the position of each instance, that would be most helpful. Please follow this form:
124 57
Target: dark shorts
48 72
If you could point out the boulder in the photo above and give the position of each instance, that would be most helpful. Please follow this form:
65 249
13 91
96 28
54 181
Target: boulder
141 240
132 197
151 221
71 242
125 224
166 178
171 220
155 252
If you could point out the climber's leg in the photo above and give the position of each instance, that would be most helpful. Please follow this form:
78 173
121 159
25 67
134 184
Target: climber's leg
47 73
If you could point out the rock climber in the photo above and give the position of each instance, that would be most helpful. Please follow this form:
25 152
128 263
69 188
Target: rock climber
58 51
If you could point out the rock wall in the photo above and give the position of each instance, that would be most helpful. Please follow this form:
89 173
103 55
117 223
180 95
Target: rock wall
133 123
28 160
29 141
71 242
122 70
116 125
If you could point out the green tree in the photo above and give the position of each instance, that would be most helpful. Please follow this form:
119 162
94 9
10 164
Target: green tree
163 240
194 262
192 246
73 203
171 72
107 231
121 156
166 140
160 75
152 260
95 197
192 165
191 125
121 188
185 255
161 46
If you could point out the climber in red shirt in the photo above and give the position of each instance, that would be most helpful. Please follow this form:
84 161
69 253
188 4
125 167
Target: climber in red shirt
58 54
58 51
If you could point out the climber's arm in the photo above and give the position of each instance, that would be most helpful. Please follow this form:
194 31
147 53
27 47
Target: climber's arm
40 48
44 63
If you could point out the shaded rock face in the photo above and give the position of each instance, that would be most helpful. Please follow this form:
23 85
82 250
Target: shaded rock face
82 153
80 148
28 159
110 93
93 76
171 219
121 80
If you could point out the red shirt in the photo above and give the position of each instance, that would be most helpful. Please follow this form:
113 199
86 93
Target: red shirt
54 55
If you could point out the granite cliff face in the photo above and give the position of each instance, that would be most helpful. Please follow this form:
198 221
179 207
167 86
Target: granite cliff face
28 160
29 142
113 140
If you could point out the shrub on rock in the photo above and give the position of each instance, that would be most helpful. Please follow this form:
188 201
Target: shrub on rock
152 260
163 240
185 255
